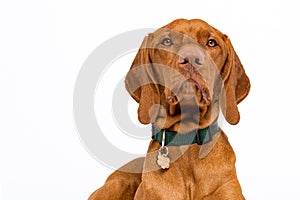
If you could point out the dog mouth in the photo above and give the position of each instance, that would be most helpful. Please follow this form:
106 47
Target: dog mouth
190 91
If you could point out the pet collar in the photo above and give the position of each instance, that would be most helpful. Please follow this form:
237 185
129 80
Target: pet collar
200 136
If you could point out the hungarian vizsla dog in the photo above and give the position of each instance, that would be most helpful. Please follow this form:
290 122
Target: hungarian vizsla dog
183 76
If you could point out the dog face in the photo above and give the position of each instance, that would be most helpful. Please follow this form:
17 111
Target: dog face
183 73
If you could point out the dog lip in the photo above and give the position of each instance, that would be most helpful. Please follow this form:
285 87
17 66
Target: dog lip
172 99
187 85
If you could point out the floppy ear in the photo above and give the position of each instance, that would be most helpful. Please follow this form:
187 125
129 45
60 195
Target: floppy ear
141 85
236 84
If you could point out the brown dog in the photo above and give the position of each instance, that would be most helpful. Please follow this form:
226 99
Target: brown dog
182 76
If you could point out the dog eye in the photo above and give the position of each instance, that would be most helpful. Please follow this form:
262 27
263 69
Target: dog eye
167 42
212 43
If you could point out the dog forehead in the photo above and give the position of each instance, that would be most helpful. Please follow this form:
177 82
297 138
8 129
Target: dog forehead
194 29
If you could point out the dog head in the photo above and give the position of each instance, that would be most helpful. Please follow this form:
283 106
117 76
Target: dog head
183 74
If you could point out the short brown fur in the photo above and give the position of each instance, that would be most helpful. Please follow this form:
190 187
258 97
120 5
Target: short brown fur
196 171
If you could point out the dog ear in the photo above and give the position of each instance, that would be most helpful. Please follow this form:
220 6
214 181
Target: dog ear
141 85
236 84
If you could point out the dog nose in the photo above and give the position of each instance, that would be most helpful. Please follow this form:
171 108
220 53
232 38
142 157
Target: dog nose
190 56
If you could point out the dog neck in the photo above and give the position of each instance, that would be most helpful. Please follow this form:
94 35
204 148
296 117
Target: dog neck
186 122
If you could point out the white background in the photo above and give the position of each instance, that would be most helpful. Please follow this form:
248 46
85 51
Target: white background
44 43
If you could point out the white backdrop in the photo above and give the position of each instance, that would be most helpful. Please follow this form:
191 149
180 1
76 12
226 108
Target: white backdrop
43 45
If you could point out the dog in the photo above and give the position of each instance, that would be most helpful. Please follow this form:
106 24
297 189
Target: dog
182 77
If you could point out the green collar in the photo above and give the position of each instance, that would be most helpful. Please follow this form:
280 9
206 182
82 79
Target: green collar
200 136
